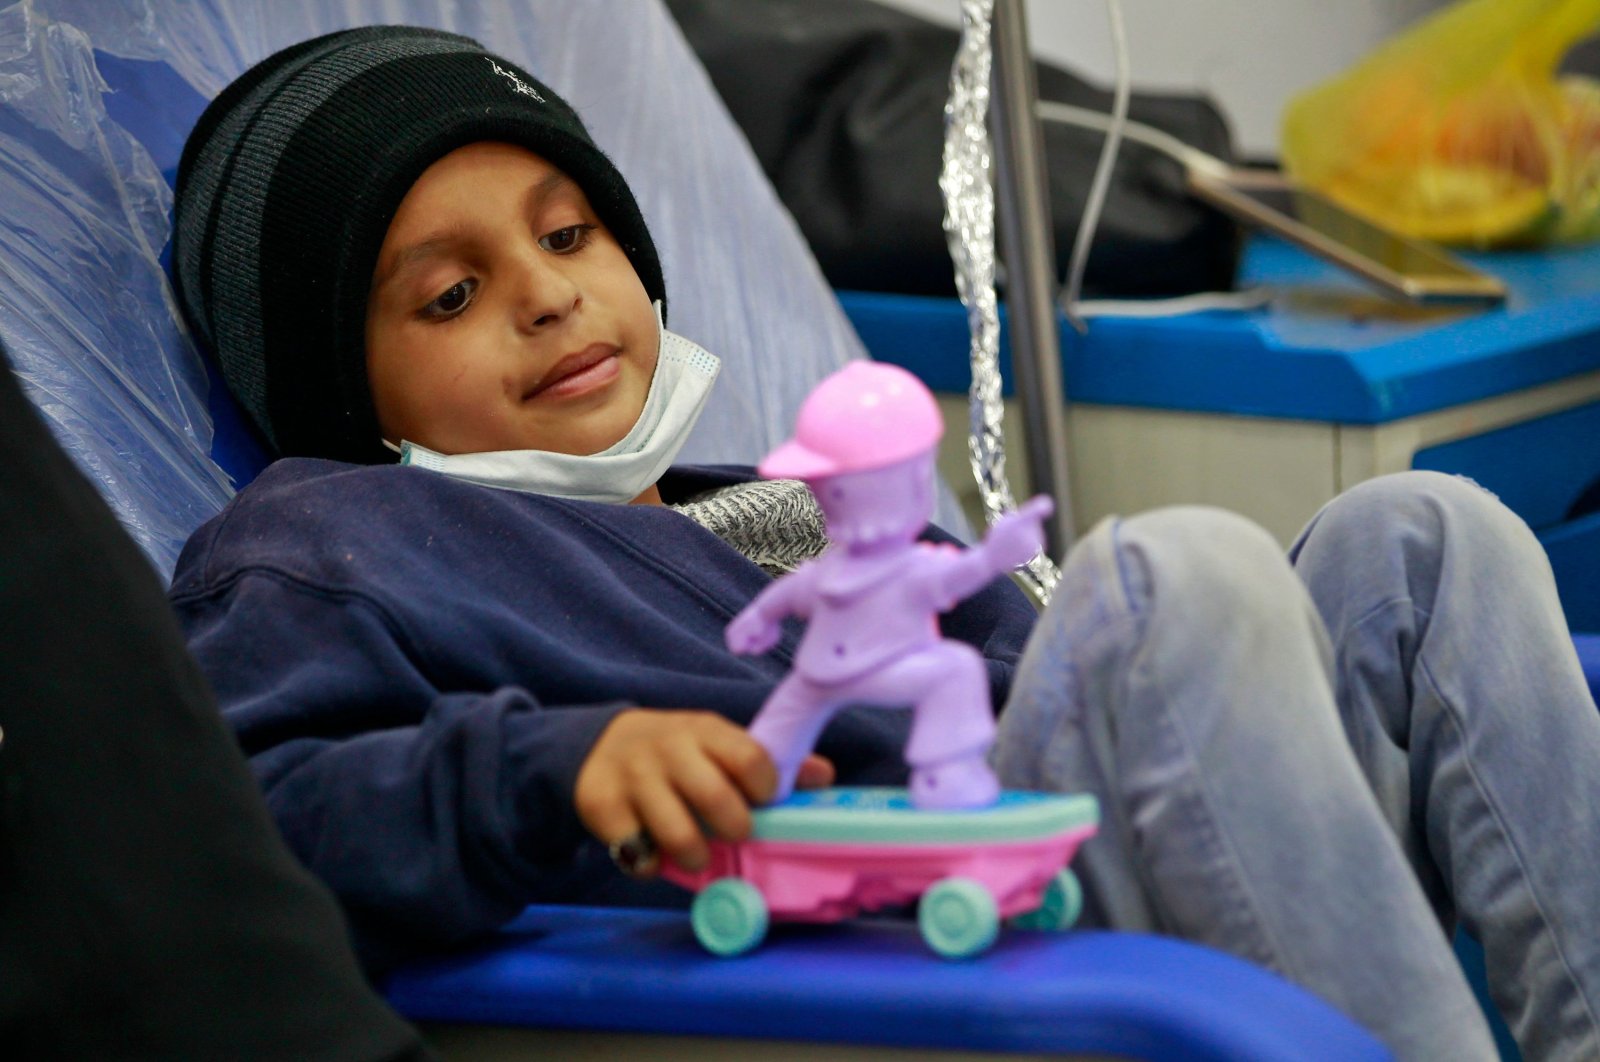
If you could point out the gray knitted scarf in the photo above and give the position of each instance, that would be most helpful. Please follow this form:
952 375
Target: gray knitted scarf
774 523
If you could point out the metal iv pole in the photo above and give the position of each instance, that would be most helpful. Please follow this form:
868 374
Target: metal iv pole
1027 240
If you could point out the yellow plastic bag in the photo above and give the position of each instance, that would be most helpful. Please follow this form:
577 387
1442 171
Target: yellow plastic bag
1459 130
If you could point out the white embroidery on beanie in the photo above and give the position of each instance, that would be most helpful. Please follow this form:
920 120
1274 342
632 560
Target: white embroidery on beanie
517 83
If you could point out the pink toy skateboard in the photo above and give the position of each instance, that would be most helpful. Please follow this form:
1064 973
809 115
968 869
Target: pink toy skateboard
825 855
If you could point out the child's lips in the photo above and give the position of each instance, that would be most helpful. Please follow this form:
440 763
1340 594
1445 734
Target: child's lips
589 369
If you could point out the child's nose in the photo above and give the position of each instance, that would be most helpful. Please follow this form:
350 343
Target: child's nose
548 293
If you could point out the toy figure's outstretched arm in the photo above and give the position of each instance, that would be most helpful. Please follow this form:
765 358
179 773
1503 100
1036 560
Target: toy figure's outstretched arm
756 628
1014 540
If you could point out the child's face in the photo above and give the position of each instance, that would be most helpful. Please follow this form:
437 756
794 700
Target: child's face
503 315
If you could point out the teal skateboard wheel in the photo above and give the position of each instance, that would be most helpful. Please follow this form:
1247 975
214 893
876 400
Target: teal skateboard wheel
729 917
1060 906
958 918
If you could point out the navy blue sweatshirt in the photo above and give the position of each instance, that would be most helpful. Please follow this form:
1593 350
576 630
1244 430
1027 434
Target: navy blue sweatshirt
417 668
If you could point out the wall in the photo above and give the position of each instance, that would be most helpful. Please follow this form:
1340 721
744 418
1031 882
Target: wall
1249 55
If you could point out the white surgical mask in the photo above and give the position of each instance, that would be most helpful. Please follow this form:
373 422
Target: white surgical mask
621 472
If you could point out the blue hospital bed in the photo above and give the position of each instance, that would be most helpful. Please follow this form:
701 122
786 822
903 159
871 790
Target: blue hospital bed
84 311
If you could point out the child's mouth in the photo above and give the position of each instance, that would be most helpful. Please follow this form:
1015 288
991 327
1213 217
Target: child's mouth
577 374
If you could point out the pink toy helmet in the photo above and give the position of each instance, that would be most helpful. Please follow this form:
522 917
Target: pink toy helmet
867 415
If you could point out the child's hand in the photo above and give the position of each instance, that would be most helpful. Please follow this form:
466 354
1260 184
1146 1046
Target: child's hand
750 633
1019 535
666 772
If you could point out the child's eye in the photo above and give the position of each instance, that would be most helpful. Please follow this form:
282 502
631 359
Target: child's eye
453 301
567 240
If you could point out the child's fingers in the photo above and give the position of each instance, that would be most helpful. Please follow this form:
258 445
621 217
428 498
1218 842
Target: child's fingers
669 822
611 819
676 774
710 793
744 761
815 772
604 808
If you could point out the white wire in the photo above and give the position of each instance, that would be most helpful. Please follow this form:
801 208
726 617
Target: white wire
1102 173
1249 299
1159 139
1116 126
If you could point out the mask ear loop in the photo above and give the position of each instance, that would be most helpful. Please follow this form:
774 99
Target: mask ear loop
392 446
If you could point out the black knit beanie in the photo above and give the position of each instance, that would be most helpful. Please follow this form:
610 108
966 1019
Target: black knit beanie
286 189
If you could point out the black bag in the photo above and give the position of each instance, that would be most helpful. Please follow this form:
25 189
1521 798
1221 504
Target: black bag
843 101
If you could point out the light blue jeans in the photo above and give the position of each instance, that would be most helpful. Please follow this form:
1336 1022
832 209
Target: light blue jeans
1323 782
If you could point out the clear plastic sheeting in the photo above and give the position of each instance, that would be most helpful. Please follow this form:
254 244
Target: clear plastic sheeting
85 312
740 280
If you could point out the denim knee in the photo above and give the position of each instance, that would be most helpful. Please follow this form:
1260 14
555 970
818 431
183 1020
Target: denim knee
1409 545
1429 504
1209 561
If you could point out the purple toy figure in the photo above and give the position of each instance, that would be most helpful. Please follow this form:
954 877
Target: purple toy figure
864 444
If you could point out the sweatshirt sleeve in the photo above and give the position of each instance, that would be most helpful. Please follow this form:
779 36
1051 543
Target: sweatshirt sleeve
432 812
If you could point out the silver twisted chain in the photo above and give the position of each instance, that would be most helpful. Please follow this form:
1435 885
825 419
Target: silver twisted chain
968 193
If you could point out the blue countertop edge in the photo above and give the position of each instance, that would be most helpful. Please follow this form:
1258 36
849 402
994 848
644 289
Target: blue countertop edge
1281 361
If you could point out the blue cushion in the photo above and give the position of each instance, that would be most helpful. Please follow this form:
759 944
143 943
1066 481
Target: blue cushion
158 107
153 103
875 982
1588 646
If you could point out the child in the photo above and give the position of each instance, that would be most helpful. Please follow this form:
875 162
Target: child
393 240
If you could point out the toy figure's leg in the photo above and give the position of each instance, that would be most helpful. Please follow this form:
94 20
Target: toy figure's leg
1467 708
789 722
953 727
1183 675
